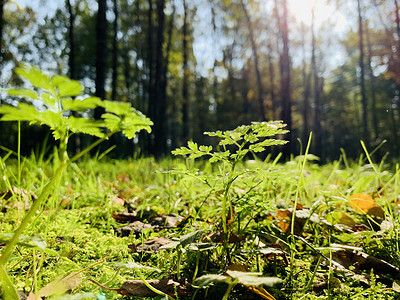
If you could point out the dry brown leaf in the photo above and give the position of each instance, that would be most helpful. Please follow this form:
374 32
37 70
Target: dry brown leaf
362 261
139 289
60 285
150 246
238 267
260 291
124 217
123 177
284 217
365 204
137 228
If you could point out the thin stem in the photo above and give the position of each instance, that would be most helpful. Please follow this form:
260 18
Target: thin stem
9 291
31 213
150 287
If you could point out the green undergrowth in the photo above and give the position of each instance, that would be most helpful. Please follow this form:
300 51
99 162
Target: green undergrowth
79 223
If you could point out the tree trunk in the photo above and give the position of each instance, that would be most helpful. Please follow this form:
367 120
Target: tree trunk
372 86
2 4
115 53
166 64
71 57
256 63
157 103
317 98
272 92
362 77
101 53
286 113
76 141
306 89
185 83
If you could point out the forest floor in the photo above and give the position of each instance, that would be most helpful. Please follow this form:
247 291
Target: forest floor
110 229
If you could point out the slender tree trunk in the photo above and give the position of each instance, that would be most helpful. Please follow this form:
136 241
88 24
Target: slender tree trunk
101 53
76 141
396 5
362 77
306 88
157 103
272 92
286 113
149 107
317 98
372 86
71 57
166 64
2 4
115 53
256 63
185 83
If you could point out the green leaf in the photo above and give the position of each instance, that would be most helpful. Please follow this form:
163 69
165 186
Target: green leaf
210 279
113 122
81 105
29 242
22 92
86 126
66 87
190 237
247 278
133 265
170 245
36 77
118 108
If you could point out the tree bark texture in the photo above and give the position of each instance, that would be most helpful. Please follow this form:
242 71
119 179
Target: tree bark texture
71 57
115 53
101 53
185 80
317 96
256 62
362 76
286 112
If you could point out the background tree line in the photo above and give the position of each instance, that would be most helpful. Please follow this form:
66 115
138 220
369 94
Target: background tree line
201 65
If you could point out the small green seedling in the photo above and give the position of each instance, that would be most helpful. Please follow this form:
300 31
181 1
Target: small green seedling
236 144
50 100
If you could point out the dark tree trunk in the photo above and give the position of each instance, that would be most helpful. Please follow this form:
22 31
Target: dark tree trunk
396 5
115 53
185 83
256 63
372 86
362 77
2 3
76 141
306 91
101 53
166 64
317 96
157 104
272 92
286 113
71 57
149 106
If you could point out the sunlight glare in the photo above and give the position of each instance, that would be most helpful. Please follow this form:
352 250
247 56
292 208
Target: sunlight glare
301 9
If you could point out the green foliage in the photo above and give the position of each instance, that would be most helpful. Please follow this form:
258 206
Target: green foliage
241 141
51 103
255 136
54 106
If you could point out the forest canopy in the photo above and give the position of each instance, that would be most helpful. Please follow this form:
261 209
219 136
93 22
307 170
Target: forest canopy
330 67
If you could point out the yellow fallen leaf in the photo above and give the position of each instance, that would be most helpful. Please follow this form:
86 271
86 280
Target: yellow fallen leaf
365 204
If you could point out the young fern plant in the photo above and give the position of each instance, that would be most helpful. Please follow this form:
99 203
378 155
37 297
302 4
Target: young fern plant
50 100
241 141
